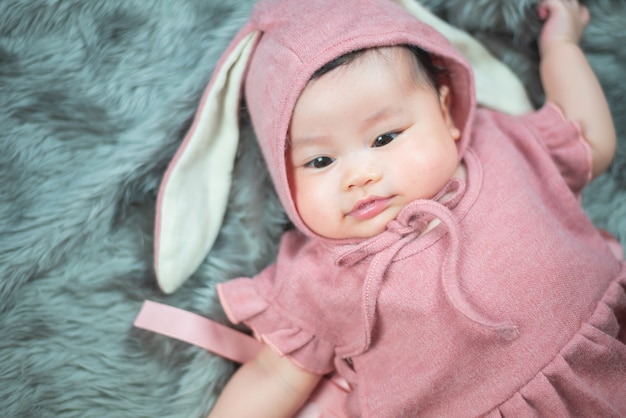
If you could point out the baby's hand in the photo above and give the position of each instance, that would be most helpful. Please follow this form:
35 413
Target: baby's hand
565 21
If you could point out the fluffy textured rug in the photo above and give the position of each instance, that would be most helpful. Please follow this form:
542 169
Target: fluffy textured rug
94 99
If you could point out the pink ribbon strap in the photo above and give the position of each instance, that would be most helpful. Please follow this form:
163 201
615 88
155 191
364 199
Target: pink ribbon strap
197 330
326 401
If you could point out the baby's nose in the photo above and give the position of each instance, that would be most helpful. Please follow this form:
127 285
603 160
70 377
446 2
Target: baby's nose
361 175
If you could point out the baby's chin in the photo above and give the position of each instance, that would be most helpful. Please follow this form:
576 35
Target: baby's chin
352 229
367 229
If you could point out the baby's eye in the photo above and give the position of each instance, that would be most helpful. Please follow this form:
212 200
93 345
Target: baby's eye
319 162
384 139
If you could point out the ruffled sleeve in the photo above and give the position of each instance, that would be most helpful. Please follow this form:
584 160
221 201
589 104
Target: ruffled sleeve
564 142
256 303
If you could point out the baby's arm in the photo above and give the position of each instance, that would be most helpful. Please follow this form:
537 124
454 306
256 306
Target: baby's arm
569 81
267 386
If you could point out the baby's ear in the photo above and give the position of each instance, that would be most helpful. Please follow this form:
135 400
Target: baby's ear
445 101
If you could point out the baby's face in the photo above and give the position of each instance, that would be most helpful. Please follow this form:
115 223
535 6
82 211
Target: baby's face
365 140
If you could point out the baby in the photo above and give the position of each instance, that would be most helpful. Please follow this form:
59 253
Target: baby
441 261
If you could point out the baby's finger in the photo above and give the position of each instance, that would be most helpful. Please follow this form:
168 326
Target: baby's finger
585 16
543 10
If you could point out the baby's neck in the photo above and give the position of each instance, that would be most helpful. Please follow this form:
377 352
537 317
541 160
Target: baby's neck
461 174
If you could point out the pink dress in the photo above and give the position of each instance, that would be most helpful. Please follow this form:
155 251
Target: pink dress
514 305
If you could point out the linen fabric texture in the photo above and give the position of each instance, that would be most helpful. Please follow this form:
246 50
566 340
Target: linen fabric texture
514 304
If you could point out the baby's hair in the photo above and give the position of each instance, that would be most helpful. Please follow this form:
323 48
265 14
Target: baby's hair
435 74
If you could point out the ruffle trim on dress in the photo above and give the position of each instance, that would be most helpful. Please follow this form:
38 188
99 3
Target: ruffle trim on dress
557 138
588 377
243 303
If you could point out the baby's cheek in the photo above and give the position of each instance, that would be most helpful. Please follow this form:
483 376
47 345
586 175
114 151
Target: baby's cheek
305 195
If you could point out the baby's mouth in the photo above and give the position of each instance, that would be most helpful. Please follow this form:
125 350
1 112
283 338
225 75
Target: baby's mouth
369 207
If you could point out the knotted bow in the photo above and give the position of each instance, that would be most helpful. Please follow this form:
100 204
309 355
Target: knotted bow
410 224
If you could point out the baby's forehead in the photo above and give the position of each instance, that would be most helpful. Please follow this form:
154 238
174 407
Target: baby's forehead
356 96
404 60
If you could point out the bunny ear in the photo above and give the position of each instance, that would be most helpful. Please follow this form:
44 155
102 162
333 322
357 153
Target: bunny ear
194 192
497 86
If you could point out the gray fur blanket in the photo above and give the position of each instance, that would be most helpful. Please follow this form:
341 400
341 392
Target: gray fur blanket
95 96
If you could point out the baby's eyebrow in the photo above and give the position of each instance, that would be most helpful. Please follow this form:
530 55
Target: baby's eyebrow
378 115
311 140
